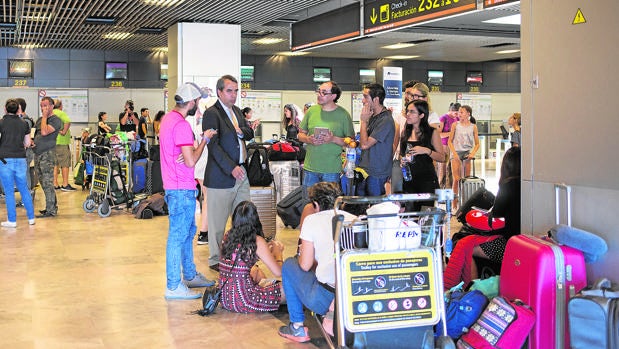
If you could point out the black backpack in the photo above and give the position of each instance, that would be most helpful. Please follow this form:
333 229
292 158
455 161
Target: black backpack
258 171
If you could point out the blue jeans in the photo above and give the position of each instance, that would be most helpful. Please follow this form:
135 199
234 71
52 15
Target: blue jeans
310 178
182 228
302 288
13 174
372 186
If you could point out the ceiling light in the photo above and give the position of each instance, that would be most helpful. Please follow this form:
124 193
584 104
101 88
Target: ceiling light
100 20
37 18
160 49
295 53
513 19
30 46
507 51
268 41
163 3
398 46
401 57
116 35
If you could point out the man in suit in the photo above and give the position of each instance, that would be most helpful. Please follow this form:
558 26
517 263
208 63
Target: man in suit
225 177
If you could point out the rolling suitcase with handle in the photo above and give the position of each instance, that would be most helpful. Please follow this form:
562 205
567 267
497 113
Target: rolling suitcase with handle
469 185
545 276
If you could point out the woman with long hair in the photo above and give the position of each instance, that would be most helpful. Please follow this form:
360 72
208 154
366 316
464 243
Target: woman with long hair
444 169
157 123
463 143
103 126
290 121
247 289
461 266
420 145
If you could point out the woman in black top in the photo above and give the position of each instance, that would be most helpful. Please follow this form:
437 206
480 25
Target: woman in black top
290 123
420 145
103 127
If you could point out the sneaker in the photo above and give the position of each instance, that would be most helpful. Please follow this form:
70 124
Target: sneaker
199 281
203 238
294 334
57 187
31 221
8 224
181 292
68 187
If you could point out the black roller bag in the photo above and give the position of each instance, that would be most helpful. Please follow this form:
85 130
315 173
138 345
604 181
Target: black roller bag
289 208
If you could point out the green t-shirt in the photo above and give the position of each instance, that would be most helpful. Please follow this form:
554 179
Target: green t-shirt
326 158
66 139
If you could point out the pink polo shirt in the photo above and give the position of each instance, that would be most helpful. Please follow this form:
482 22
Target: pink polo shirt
175 132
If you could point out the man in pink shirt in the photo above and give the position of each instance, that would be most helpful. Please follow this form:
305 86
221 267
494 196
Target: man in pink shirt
178 157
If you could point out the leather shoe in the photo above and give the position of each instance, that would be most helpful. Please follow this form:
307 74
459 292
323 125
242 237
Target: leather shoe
45 214
214 267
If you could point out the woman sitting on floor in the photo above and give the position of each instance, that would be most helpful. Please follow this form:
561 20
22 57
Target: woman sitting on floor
247 289
461 266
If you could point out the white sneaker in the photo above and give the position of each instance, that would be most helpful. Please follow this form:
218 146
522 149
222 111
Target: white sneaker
31 221
181 292
8 224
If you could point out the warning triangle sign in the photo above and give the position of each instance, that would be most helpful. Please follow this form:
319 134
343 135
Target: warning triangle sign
579 18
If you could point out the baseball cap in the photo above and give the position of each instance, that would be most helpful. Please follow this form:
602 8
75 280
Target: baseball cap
188 92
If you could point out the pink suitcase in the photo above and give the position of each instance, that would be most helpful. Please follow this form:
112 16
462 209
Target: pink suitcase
544 275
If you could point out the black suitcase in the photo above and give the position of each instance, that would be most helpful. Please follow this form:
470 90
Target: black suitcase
154 182
482 198
289 208
594 317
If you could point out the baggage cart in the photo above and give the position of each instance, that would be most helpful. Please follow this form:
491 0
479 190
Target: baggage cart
394 295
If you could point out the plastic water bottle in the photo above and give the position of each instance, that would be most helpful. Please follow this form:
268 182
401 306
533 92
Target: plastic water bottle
406 173
351 160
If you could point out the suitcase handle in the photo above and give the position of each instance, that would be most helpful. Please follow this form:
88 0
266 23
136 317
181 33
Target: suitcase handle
568 202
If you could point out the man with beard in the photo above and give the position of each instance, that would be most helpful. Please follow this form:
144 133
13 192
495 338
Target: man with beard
178 157
225 177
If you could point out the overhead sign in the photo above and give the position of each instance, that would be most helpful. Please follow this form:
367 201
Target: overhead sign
338 25
493 3
382 15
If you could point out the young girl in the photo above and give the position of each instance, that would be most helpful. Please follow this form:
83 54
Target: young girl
463 143
246 289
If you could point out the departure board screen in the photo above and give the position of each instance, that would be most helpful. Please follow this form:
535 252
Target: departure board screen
337 25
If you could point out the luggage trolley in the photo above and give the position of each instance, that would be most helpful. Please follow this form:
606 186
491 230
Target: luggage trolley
381 292
100 197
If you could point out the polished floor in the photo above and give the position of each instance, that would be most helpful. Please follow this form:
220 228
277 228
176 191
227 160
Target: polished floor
81 281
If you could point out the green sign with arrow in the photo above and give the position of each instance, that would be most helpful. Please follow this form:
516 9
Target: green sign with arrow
382 15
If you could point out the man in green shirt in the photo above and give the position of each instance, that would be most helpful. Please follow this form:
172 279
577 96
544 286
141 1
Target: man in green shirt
63 153
323 161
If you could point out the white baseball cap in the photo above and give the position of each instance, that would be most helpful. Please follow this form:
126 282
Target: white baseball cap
188 92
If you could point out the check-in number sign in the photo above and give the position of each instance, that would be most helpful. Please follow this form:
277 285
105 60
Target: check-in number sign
385 15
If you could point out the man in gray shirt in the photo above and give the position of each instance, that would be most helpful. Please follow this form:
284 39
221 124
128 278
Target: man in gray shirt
47 128
376 141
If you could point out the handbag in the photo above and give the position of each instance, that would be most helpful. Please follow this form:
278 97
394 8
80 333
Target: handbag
283 151
503 324
212 296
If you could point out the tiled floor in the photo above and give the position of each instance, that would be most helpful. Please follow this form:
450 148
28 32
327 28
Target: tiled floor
81 281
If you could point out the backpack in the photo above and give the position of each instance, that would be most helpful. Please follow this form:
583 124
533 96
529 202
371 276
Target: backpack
462 310
155 205
258 171
118 191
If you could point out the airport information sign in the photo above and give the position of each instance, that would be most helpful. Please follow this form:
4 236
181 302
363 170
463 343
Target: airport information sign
383 15
335 26
493 3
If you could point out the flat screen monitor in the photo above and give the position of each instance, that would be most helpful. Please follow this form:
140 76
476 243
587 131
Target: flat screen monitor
115 71
247 73
322 74
164 71
474 78
367 76
435 77
20 68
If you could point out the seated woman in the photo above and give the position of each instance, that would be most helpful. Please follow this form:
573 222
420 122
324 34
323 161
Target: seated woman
507 205
104 128
309 279
247 290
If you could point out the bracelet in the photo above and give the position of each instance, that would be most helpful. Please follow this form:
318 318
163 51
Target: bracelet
430 153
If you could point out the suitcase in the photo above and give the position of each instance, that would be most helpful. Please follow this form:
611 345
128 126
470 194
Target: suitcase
138 175
264 199
469 185
154 182
289 209
545 276
286 177
594 317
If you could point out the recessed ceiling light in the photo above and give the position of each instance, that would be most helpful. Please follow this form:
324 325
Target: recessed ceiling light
160 49
163 3
401 57
116 35
296 53
398 46
30 46
268 41
37 18
507 51
513 19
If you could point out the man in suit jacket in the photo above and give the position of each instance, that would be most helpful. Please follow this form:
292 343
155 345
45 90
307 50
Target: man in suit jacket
225 177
